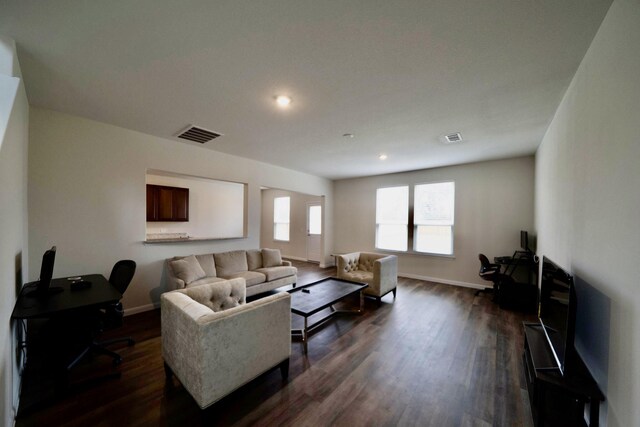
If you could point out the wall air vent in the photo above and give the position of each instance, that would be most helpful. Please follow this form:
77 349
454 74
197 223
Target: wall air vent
453 138
197 134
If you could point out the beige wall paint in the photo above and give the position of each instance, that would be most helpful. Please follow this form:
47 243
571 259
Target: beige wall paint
296 247
588 197
14 128
87 196
494 201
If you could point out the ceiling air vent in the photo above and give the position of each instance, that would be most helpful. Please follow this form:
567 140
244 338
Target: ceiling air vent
196 134
453 138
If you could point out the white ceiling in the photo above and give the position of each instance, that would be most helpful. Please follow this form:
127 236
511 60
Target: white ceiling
397 74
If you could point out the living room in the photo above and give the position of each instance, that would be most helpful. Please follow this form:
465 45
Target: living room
77 180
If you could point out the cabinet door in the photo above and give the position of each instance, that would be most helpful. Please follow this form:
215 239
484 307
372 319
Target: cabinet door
152 202
165 204
180 204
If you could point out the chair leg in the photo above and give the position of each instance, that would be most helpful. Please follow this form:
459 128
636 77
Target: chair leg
97 348
379 301
394 293
284 369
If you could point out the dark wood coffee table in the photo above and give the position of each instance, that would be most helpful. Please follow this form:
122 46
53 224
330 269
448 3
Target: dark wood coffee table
310 299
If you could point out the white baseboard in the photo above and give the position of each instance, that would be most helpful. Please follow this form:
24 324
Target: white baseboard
443 281
141 309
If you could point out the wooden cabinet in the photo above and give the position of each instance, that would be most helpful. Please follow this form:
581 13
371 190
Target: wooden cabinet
167 203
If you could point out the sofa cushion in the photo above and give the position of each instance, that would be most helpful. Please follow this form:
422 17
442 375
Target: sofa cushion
205 281
222 296
208 264
228 263
275 273
187 269
251 277
254 259
359 276
271 258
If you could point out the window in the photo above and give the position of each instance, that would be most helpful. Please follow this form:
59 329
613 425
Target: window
315 220
433 214
392 215
430 227
281 218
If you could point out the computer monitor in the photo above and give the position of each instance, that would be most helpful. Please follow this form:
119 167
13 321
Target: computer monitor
43 286
524 240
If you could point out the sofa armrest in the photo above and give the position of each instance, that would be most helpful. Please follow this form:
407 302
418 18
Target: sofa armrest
385 273
286 263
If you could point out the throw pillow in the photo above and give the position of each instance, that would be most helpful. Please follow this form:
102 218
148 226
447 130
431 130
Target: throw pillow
254 259
187 269
271 258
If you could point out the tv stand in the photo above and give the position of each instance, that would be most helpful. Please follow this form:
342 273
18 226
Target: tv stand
557 400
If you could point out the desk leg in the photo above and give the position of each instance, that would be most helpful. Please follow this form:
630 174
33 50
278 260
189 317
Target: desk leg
305 335
594 413
540 404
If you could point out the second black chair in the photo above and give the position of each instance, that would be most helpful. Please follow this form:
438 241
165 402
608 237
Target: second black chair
490 272
111 316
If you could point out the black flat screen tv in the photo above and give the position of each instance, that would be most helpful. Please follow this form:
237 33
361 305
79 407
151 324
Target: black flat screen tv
43 286
557 312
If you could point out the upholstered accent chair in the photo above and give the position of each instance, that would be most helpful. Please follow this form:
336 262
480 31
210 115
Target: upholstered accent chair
379 271
215 342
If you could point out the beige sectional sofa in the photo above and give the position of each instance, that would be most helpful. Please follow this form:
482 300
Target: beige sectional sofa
262 269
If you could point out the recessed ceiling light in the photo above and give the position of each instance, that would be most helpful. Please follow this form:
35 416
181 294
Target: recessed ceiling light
348 135
382 157
283 100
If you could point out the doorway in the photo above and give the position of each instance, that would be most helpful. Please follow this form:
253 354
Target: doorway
314 232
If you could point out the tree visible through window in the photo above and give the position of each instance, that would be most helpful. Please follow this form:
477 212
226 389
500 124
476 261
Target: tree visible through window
281 209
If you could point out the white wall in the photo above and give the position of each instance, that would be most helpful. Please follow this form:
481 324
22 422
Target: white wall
296 247
216 208
494 201
87 196
588 199
14 119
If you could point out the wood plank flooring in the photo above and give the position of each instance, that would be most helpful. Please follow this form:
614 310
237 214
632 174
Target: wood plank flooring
435 356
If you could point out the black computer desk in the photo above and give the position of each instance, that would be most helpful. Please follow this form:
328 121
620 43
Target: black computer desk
73 303
80 303
100 293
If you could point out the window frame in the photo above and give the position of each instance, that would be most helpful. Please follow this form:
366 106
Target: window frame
411 226
415 226
377 224
275 223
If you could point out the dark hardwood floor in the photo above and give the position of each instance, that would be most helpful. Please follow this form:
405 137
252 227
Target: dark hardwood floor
435 356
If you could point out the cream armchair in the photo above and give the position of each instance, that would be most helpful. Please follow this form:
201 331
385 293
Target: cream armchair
215 342
379 271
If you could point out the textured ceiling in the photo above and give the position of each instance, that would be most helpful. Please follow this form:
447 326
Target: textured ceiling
397 74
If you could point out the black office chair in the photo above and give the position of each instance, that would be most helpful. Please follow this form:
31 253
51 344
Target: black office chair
111 316
490 272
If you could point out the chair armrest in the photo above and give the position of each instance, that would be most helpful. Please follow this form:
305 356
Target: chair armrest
286 263
385 274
